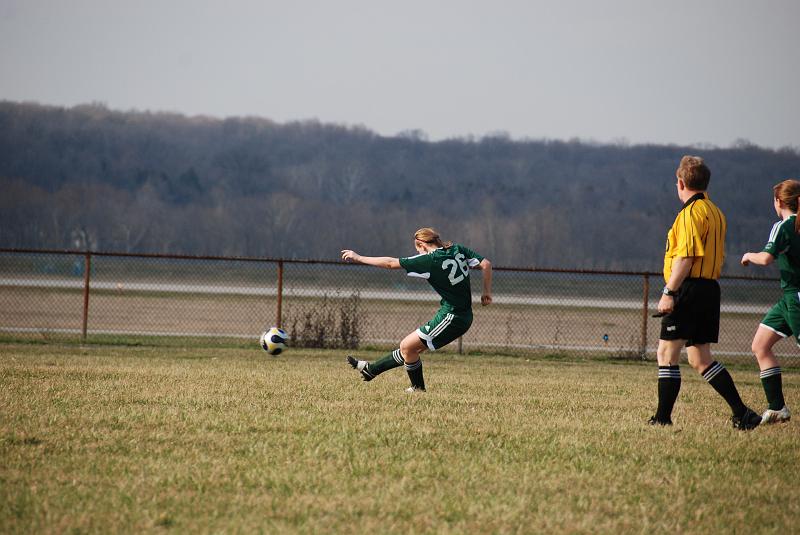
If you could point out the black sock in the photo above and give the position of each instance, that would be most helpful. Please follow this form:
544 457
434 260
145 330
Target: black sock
719 378
773 387
669 384
385 363
415 374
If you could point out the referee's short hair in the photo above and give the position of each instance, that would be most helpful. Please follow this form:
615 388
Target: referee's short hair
694 172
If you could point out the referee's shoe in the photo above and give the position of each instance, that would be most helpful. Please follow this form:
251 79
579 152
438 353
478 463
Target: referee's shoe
748 420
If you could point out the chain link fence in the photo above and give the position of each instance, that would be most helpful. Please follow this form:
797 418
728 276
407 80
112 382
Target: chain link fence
185 300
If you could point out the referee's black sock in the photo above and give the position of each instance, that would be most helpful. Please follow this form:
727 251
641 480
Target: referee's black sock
669 385
719 378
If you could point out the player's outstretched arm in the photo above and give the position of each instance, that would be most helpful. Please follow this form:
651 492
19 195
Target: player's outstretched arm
378 261
760 259
486 267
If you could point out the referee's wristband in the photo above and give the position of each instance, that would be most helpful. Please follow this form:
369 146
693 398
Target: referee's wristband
667 291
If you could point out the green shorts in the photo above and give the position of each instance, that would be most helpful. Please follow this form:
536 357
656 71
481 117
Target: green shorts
784 317
443 329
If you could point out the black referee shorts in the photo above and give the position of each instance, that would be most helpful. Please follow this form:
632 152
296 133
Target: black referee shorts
695 317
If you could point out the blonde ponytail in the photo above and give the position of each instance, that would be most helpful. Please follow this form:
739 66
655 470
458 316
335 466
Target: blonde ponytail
428 235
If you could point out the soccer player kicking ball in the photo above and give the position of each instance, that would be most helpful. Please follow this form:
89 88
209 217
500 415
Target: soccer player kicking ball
691 298
783 319
445 265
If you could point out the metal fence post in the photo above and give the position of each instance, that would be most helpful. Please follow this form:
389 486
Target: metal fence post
646 297
87 268
280 293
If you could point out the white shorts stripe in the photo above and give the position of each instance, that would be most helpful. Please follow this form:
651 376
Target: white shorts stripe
426 338
448 319
782 335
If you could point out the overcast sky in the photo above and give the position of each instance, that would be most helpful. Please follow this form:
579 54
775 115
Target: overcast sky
682 72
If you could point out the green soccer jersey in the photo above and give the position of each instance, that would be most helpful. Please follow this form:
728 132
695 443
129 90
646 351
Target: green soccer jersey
447 270
784 244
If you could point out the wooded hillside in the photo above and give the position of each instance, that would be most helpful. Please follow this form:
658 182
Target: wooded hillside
155 182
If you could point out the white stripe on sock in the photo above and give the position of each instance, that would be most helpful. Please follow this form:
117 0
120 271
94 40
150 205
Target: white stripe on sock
414 365
770 372
713 372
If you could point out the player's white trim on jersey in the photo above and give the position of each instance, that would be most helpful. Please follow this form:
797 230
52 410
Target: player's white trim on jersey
419 275
774 232
421 254
472 262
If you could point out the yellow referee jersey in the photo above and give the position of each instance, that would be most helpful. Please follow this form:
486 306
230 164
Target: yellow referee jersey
699 232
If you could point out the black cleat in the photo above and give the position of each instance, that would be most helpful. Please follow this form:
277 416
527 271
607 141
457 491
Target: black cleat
749 420
362 366
655 421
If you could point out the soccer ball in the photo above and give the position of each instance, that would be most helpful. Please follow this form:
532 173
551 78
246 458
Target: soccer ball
274 341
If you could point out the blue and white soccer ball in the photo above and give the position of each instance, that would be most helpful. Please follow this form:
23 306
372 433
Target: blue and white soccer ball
274 341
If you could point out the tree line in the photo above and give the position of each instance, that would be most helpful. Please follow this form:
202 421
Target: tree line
91 177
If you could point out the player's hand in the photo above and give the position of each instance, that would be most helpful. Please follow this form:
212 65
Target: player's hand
349 256
745 259
486 299
666 304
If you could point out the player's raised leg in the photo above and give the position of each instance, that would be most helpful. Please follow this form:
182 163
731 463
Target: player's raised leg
370 370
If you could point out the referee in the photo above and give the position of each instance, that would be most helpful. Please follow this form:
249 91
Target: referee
691 298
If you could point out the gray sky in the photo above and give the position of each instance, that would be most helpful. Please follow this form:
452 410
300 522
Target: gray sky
666 72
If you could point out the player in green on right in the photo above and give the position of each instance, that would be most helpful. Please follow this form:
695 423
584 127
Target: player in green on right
783 319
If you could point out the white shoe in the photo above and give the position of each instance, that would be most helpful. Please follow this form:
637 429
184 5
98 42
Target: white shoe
412 389
770 416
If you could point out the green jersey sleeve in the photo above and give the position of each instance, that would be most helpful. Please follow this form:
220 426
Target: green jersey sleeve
472 258
417 266
779 238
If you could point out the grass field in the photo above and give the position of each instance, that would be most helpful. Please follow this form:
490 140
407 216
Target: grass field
110 439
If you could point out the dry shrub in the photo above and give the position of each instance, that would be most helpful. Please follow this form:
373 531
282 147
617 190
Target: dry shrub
331 323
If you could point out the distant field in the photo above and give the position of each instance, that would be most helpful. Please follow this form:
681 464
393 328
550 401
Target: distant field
112 439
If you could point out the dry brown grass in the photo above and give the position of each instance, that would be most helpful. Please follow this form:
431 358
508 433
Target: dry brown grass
114 439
